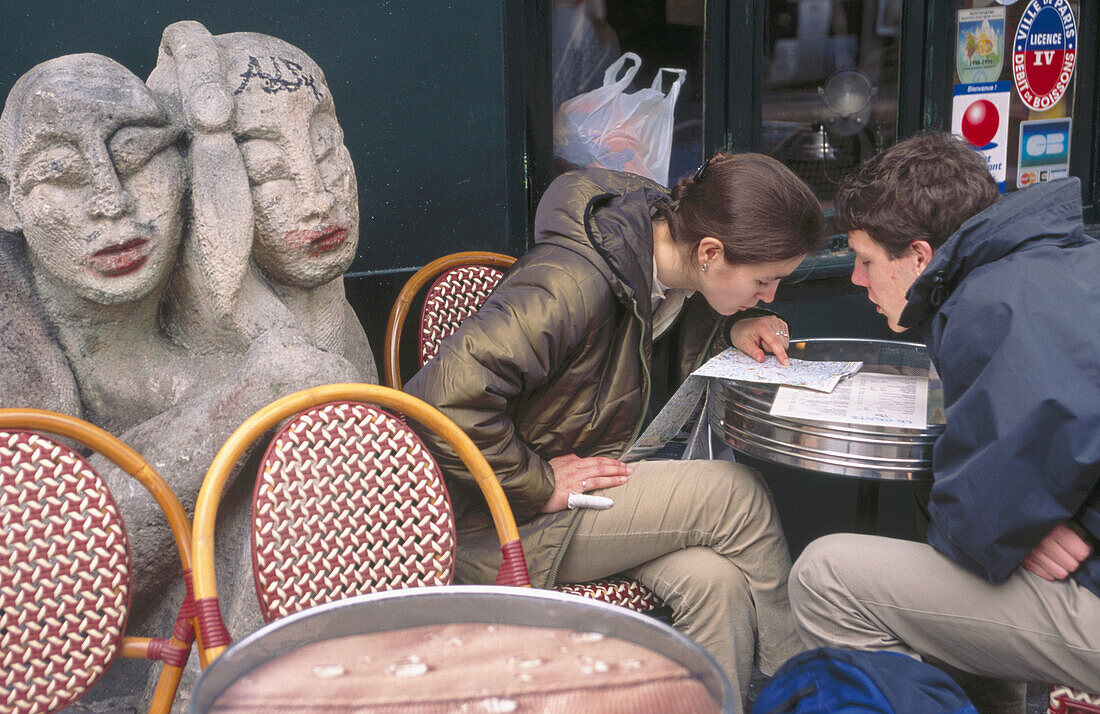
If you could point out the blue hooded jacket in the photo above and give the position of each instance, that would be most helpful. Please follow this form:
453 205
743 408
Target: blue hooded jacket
1009 307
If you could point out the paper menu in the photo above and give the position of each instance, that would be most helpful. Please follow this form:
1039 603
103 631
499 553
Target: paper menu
866 398
735 364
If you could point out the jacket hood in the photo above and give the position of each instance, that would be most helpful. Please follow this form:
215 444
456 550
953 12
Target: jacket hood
605 216
1048 213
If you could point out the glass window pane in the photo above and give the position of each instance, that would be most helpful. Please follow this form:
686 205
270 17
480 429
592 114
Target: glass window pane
1015 75
588 36
830 81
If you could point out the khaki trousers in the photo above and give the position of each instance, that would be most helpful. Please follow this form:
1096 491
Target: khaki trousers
874 593
705 537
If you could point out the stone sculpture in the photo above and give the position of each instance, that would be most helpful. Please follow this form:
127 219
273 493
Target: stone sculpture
117 308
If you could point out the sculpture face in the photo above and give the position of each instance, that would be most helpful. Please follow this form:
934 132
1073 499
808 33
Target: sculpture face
302 180
94 176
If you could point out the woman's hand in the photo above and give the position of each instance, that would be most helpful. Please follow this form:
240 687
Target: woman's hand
755 335
1058 555
572 474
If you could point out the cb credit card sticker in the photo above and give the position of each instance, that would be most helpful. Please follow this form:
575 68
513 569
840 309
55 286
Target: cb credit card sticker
1044 151
979 114
1044 52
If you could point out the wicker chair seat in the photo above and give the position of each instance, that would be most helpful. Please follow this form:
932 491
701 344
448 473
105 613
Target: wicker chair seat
1066 700
616 590
461 283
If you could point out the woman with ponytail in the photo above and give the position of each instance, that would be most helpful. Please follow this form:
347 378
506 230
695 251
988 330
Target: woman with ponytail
625 291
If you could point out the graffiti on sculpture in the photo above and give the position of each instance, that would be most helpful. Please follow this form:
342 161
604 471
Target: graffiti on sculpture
274 81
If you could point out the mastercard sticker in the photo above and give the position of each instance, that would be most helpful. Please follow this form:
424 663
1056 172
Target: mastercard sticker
979 114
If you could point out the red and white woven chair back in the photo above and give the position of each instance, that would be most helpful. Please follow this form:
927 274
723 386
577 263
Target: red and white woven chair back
64 574
1066 700
348 501
454 296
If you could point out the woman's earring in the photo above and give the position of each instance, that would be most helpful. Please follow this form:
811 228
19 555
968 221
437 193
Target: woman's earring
703 267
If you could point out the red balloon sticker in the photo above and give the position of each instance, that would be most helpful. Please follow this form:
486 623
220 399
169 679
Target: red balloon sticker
979 114
1044 52
980 122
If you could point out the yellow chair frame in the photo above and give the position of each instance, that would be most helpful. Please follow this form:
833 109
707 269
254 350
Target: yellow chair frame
215 637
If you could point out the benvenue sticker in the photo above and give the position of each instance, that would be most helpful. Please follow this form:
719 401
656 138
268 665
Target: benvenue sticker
1044 52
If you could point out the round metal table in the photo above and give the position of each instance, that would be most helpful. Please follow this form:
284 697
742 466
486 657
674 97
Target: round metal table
739 416
470 648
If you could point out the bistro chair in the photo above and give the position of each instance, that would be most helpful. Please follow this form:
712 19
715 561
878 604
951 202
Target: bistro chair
1066 700
347 501
65 578
460 284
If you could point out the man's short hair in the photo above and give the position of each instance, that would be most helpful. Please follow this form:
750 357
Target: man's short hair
922 188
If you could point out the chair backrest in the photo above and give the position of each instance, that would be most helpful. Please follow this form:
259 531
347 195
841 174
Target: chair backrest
65 565
461 282
345 500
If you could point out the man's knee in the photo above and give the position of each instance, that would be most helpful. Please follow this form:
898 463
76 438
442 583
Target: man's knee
821 571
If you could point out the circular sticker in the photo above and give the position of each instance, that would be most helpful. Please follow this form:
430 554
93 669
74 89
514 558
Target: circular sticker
1044 52
980 122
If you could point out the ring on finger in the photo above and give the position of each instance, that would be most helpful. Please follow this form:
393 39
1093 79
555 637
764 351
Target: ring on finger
584 484
781 334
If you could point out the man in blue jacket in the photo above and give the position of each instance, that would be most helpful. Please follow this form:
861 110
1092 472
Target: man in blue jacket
1006 293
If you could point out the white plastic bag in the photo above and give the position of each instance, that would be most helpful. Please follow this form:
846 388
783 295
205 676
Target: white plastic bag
612 129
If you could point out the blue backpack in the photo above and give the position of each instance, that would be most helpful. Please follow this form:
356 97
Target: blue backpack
836 680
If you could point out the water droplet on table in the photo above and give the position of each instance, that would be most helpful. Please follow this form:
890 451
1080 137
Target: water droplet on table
498 705
328 671
412 666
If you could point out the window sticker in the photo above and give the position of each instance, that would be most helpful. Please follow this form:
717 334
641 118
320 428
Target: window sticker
979 114
1044 52
979 48
1044 151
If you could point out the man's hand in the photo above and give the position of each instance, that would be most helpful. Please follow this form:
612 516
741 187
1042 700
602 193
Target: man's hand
572 474
755 335
1058 554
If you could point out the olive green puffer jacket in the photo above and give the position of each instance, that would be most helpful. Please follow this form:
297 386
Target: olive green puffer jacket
558 361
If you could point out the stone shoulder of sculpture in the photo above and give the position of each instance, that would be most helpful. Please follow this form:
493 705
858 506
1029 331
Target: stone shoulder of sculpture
33 369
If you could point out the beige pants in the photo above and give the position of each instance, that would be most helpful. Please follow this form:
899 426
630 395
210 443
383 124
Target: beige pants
873 593
705 537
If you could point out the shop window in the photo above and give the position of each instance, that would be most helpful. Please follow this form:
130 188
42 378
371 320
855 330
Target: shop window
830 85
1013 92
589 35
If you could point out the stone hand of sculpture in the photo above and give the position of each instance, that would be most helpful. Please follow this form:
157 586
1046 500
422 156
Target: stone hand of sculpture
216 299
304 199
